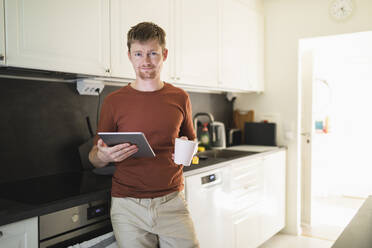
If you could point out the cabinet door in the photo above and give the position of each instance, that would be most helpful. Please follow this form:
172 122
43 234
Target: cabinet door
197 42
2 37
255 48
127 13
22 234
67 36
274 196
247 227
242 46
235 45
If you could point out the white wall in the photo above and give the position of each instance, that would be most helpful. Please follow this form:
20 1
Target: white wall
287 21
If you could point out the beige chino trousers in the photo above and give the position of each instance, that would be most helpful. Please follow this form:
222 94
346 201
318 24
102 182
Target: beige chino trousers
162 222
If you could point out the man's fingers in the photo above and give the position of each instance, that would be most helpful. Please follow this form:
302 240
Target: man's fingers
100 142
126 155
119 147
123 153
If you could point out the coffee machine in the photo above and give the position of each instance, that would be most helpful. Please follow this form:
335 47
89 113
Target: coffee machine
216 129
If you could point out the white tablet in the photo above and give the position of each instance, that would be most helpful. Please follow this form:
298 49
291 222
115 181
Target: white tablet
135 138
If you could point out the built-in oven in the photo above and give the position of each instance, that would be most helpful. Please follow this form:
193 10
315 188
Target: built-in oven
89 224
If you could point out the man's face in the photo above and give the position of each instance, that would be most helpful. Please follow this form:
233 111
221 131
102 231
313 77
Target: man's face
147 58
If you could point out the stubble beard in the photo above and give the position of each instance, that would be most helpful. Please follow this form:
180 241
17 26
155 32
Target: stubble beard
147 75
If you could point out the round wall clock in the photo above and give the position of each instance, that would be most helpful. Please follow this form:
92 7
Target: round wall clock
341 9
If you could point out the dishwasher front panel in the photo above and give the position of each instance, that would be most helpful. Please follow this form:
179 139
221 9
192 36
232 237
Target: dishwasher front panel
210 203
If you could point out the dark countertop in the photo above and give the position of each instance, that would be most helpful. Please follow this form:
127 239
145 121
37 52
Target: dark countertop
33 197
358 233
38 196
239 154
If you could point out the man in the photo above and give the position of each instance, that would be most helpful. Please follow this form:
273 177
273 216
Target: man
148 208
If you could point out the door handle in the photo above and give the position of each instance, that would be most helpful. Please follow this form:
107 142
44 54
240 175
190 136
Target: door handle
307 136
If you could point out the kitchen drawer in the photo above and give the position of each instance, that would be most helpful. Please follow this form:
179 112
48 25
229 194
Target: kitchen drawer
245 167
21 234
247 183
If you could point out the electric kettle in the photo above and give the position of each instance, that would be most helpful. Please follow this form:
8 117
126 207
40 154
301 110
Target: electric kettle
218 135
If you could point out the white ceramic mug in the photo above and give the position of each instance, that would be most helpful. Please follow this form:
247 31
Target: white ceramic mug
184 151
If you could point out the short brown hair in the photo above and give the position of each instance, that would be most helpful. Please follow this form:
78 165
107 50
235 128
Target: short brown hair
146 31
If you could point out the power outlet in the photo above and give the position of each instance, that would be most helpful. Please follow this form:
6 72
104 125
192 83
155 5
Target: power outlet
89 87
269 117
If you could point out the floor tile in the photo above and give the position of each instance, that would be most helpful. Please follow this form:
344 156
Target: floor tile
292 241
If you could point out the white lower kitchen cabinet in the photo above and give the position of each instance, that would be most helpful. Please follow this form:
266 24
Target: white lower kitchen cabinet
273 213
2 34
21 234
65 36
247 227
247 189
240 205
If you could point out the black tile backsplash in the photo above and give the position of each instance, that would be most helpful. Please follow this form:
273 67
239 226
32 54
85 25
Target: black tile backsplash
43 123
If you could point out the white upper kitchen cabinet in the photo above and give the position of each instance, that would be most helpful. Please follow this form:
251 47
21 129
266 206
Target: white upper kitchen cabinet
241 45
197 42
256 49
21 234
2 33
127 13
191 35
66 36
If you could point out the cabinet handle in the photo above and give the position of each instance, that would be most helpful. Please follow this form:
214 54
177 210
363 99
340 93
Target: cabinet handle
1 234
177 78
1 59
107 70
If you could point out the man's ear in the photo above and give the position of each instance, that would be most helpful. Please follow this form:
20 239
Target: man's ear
165 54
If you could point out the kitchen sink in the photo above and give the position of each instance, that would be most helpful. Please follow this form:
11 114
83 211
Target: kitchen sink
212 157
224 154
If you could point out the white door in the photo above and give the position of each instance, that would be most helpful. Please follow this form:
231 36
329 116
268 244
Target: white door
2 33
235 38
67 36
306 73
126 14
197 42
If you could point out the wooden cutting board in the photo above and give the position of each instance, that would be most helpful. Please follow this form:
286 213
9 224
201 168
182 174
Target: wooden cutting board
240 117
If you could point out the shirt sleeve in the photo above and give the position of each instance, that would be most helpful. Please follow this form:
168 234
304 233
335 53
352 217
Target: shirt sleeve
106 120
187 128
